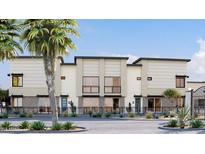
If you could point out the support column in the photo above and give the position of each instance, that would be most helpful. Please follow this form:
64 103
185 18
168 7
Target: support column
101 104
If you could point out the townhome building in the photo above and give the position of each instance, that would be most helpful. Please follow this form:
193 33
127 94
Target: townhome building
99 84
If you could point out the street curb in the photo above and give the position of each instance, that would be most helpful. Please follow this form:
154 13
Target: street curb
83 129
179 129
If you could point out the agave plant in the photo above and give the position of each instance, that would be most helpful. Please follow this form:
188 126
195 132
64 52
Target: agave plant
183 116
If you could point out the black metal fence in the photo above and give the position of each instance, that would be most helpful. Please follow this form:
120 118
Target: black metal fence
88 110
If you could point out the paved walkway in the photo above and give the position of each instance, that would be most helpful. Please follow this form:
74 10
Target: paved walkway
110 126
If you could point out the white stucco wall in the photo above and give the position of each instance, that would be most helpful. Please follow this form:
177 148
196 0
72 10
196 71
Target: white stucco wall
133 85
68 86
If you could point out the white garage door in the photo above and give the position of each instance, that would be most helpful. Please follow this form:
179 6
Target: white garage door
43 102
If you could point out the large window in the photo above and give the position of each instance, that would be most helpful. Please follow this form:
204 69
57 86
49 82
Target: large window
17 80
112 85
17 102
90 84
180 82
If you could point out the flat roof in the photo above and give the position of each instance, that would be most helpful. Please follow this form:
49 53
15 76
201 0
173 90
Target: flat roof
36 57
162 59
195 81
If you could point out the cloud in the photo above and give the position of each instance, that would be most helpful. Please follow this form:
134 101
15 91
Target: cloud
131 59
196 67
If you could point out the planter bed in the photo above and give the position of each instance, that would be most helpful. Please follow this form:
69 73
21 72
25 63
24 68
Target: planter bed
16 130
179 129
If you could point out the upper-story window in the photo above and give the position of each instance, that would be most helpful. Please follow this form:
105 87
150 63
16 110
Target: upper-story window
112 85
90 84
17 80
180 81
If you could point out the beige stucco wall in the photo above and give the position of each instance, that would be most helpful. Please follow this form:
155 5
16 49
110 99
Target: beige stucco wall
133 85
195 85
68 86
34 81
163 75
101 67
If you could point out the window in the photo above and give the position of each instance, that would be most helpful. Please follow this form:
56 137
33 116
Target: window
112 85
90 84
149 78
62 77
17 102
138 78
17 80
180 82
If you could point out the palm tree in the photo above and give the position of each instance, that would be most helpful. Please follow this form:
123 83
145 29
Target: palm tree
8 39
49 38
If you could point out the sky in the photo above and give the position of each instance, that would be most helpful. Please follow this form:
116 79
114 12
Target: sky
138 38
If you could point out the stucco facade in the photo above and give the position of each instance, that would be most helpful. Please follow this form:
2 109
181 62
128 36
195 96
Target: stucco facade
103 83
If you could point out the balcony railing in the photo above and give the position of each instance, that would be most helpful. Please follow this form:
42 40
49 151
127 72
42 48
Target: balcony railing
90 89
112 89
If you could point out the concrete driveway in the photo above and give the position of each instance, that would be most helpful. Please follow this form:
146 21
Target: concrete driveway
109 126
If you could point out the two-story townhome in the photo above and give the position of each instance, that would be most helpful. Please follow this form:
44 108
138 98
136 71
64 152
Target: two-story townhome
99 84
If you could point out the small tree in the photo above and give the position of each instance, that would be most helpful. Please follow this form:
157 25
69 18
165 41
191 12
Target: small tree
172 94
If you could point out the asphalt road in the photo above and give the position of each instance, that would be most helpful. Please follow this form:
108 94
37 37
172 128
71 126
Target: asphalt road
110 126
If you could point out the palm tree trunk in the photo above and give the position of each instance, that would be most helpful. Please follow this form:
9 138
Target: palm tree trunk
49 66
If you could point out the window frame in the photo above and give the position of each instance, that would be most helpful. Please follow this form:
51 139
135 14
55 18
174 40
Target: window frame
112 91
180 77
17 75
90 87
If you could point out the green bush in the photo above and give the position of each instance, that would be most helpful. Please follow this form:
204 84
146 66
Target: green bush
90 113
172 123
107 115
67 125
196 123
22 115
65 114
30 115
149 115
166 114
6 125
97 115
131 115
24 125
172 114
73 115
4 115
38 125
57 126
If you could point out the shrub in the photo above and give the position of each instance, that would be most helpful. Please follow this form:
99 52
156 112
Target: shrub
73 115
30 114
24 125
90 113
172 123
6 125
107 115
149 115
57 126
131 115
97 115
196 123
67 125
16 112
172 114
4 115
38 125
65 114
22 115
166 114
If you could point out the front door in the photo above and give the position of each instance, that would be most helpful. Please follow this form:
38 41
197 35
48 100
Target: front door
116 105
157 105
64 104
137 105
